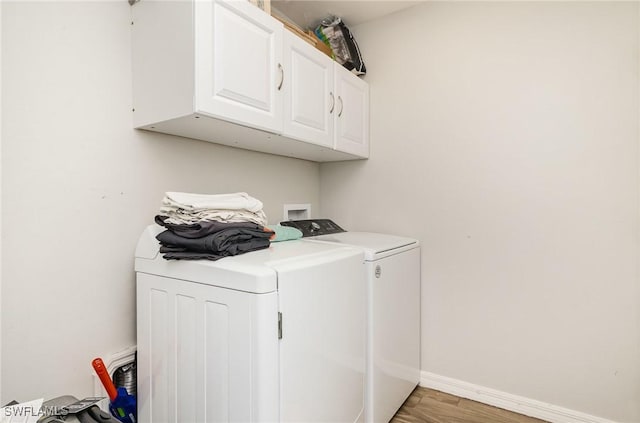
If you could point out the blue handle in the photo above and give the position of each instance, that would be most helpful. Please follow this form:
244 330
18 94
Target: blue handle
123 407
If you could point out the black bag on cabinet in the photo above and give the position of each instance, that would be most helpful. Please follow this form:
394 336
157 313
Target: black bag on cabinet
344 46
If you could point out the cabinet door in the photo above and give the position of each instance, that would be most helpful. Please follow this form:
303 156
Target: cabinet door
309 100
352 113
238 63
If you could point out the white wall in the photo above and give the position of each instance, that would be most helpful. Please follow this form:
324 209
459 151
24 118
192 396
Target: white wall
0 198
505 137
79 186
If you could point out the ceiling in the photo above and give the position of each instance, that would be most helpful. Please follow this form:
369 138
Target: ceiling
309 13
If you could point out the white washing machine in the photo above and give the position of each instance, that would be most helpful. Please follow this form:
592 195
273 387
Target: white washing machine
267 336
392 266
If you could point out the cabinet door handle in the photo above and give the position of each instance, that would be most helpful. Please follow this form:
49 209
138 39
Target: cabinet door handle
341 106
281 76
333 102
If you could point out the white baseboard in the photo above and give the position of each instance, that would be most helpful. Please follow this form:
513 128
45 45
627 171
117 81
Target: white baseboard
529 407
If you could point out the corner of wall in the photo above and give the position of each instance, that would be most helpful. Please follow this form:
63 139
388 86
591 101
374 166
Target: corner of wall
1 401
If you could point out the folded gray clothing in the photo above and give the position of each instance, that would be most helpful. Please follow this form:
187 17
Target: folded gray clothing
204 228
171 252
191 256
231 240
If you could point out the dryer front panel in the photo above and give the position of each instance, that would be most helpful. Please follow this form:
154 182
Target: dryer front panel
393 333
322 350
205 354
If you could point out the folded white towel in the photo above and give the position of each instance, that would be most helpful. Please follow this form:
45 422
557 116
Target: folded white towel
235 201
183 217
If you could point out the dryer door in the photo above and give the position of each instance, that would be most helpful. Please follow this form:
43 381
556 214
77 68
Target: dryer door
322 350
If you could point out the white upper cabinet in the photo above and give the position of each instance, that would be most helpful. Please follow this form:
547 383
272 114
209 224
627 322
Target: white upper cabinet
352 113
238 63
226 72
324 103
308 89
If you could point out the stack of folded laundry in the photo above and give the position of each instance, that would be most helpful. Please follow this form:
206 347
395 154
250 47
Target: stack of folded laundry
211 226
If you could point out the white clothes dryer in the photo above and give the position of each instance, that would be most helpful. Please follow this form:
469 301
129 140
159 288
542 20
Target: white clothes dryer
276 335
392 266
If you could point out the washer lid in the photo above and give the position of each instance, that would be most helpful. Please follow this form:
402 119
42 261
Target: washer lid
255 272
375 245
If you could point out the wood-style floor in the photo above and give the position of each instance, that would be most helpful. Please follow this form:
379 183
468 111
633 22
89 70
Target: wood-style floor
429 406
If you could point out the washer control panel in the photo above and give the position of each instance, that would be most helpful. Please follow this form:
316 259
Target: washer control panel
313 227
